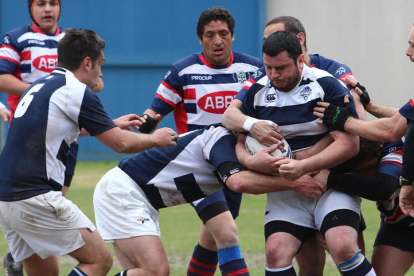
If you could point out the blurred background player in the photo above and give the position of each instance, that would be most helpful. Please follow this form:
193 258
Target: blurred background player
198 89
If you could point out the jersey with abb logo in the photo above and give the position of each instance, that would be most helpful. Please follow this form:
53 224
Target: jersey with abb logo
391 164
28 54
199 92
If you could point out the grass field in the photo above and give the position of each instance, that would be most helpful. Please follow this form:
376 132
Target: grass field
180 226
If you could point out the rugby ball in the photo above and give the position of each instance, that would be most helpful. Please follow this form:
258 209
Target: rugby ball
253 146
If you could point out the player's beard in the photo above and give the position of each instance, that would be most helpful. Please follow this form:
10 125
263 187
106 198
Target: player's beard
291 81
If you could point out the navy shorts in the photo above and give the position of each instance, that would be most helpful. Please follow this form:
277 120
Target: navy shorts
399 237
219 202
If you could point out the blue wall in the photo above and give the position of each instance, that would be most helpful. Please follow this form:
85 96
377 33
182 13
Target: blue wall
143 38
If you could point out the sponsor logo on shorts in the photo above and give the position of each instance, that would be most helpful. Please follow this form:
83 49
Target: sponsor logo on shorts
216 102
143 220
306 91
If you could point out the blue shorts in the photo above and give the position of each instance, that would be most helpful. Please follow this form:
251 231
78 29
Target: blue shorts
217 203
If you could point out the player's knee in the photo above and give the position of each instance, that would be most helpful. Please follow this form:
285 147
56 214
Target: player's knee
279 253
105 261
159 270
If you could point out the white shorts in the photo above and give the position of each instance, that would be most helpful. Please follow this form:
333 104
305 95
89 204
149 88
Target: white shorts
46 225
121 208
308 212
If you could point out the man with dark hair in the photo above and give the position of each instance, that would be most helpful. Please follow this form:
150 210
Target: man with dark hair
286 95
47 120
198 89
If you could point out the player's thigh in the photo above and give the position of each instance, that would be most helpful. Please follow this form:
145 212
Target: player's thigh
387 260
145 252
223 229
94 251
36 266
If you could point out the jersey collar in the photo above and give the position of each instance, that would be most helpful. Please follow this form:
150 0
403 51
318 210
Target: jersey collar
37 30
207 63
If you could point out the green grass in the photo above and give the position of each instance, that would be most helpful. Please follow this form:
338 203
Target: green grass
180 226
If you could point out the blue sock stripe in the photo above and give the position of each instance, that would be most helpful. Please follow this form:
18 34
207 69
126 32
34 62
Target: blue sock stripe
354 261
228 254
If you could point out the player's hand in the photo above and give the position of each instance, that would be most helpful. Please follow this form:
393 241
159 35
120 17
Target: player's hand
130 120
407 200
291 169
150 123
5 114
322 178
321 241
307 186
263 162
164 137
332 115
265 134
359 89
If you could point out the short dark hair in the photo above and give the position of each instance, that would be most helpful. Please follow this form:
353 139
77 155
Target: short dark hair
278 42
76 45
214 14
292 25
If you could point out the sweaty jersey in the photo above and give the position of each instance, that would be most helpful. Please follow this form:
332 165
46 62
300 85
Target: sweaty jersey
187 172
47 120
391 164
199 92
28 54
293 111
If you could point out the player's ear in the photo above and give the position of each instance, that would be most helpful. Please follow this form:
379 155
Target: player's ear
301 37
87 64
200 40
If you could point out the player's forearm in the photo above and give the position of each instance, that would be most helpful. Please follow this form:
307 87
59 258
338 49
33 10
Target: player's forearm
11 85
233 118
380 111
381 130
342 149
256 183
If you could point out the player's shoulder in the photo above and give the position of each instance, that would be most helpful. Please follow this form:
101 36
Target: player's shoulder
334 67
188 61
248 59
12 36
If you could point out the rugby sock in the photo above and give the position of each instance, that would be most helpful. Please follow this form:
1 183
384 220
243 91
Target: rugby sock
77 272
357 266
123 273
203 262
284 271
231 261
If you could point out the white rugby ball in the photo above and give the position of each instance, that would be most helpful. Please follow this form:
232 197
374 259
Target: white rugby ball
253 146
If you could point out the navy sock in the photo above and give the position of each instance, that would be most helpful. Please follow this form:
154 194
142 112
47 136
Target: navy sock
77 272
203 262
122 273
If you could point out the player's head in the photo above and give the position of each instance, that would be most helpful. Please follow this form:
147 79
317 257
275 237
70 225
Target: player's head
215 30
82 51
366 161
286 23
283 60
45 14
410 49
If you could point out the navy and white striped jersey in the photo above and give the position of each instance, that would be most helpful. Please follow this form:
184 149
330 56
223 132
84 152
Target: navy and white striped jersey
407 110
200 92
293 111
187 172
391 164
28 54
47 120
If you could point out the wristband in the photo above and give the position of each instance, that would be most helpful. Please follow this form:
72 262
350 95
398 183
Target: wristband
405 182
248 124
